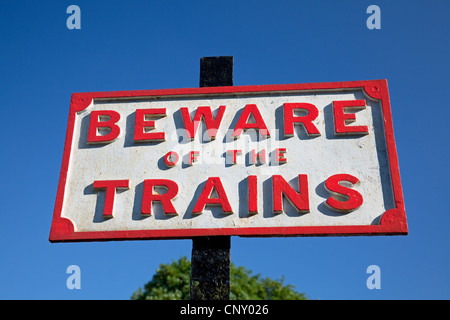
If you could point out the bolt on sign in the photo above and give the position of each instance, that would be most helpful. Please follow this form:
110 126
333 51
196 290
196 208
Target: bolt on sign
272 160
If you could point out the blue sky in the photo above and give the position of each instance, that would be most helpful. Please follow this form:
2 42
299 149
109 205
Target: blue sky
132 45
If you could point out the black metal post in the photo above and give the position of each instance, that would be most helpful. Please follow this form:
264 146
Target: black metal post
210 261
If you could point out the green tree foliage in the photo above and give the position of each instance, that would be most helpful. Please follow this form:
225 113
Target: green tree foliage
171 282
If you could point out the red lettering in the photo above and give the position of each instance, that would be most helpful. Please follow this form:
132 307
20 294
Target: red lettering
233 153
171 158
243 124
212 124
149 196
97 121
252 195
342 119
345 199
193 157
213 183
261 156
280 155
110 186
299 200
141 125
306 121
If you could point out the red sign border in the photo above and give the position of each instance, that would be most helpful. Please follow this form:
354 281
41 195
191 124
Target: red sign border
392 222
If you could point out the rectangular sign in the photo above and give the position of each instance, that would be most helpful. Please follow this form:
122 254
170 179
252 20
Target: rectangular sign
272 160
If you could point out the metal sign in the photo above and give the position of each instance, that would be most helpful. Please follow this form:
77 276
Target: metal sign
273 160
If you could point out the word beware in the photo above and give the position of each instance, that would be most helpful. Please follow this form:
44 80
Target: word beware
104 128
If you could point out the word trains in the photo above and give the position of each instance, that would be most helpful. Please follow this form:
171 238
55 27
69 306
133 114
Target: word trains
343 198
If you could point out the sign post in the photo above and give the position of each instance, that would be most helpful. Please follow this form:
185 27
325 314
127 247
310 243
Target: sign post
314 159
210 261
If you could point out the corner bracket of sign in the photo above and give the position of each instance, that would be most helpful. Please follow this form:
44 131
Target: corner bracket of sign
80 101
375 88
395 220
62 229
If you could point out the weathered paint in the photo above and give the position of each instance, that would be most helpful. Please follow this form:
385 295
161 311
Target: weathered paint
329 141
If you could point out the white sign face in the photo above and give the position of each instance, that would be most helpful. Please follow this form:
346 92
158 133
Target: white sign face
306 159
